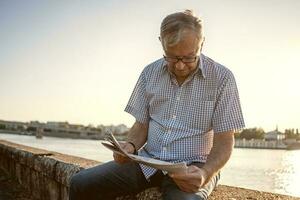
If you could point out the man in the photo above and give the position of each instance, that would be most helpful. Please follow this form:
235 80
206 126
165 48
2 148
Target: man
186 108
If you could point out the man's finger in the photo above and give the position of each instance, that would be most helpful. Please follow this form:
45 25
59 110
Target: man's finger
119 158
185 187
188 187
192 172
187 176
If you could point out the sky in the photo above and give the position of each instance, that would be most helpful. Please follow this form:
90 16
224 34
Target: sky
78 61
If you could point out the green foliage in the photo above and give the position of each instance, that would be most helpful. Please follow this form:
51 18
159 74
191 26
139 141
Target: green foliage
31 129
237 135
291 134
258 133
2 126
251 133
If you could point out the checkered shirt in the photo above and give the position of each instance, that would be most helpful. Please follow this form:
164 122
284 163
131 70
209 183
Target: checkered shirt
183 118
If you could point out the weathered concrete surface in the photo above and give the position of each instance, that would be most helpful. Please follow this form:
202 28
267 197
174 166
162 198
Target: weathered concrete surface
10 189
43 174
46 175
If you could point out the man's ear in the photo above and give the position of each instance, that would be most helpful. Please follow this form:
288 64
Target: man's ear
161 43
202 44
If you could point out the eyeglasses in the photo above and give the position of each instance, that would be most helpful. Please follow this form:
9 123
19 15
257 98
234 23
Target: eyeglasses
182 59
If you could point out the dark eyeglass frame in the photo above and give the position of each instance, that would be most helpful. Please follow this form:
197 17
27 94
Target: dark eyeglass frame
176 59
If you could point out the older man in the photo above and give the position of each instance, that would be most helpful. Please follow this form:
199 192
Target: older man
186 108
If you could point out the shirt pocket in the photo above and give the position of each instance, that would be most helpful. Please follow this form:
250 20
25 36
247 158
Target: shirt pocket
200 114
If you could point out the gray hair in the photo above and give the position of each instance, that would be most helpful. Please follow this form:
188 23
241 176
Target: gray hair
174 25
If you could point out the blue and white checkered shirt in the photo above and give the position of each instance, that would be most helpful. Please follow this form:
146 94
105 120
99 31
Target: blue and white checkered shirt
183 118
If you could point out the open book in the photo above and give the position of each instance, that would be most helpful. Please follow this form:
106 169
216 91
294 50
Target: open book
114 145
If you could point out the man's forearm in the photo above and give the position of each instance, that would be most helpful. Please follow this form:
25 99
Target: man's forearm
138 134
220 153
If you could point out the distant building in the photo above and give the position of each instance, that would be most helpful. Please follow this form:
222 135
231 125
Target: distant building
63 129
274 135
57 125
13 125
121 129
118 130
76 126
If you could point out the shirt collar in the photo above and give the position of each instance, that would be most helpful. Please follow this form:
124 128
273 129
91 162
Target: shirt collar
201 69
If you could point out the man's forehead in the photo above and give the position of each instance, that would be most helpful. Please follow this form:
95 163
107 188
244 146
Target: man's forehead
182 50
188 43
188 53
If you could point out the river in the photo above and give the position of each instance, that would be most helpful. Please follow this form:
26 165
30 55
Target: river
275 171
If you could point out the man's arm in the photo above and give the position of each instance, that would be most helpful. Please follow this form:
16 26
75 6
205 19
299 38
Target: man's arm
138 134
136 138
220 153
196 177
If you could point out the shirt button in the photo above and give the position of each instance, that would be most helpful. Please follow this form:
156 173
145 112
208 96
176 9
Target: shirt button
164 148
178 98
169 131
174 116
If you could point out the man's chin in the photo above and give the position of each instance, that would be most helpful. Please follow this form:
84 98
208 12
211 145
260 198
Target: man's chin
182 75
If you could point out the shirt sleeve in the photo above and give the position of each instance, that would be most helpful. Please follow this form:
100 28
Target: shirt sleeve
228 113
138 104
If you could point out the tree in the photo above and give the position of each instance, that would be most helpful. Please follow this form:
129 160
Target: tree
237 134
2 126
252 133
290 133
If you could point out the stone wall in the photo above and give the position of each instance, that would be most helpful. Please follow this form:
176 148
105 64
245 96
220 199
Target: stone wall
45 174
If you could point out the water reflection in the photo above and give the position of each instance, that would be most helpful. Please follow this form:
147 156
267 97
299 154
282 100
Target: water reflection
266 170
291 166
285 175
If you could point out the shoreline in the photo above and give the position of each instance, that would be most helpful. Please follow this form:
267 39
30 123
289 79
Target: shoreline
239 143
57 135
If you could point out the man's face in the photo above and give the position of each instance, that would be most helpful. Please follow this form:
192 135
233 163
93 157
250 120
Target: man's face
186 49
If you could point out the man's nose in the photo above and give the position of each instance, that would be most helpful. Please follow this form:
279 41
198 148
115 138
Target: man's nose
179 65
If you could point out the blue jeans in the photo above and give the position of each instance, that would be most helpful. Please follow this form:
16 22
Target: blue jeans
110 180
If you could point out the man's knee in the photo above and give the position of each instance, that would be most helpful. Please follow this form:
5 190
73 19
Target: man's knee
170 191
80 184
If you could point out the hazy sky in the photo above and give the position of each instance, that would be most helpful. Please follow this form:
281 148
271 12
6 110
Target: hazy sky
78 61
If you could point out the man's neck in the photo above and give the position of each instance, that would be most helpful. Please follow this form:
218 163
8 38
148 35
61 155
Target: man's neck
180 81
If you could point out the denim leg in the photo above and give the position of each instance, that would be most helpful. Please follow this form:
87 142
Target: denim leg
170 191
107 181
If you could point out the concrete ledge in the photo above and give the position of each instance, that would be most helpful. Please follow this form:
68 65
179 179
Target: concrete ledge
46 175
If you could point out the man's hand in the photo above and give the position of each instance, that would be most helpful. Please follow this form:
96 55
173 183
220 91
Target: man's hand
192 180
127 147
